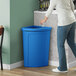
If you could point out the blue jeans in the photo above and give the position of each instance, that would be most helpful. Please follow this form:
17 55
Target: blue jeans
63 33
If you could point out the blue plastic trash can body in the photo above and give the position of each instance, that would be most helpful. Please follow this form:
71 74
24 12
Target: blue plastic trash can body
36 44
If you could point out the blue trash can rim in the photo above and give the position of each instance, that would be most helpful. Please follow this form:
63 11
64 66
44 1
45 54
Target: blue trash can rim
36 28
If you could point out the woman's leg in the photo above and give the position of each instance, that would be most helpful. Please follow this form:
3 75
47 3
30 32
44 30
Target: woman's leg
70 39
62 33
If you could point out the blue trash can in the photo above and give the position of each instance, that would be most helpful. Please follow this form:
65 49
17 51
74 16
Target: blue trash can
36 44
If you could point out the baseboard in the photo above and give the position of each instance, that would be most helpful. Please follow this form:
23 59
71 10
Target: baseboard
15 65
72 64
6 66
54 63
12 66
19 64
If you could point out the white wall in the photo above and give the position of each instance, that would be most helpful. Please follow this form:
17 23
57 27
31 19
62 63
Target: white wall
53 57
4 12
71 57
5 21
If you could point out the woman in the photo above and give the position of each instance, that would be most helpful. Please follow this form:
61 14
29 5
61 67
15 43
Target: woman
65 29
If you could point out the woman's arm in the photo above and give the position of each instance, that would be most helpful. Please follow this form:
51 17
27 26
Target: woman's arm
44 20
49 11
51 7
72 5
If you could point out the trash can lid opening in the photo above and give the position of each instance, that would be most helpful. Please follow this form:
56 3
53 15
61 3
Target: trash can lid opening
33 27
36 28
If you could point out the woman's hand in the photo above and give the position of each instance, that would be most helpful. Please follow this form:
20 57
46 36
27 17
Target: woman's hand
44 20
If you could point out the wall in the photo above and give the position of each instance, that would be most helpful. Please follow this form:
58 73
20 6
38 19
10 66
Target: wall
21 12
71 57
52 22
5 21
